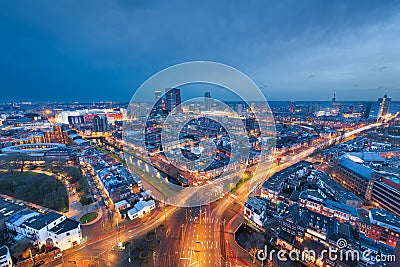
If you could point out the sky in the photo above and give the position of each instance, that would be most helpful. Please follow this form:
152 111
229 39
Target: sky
293 50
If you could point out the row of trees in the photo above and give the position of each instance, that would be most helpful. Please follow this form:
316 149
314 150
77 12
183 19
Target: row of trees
18 163
15 161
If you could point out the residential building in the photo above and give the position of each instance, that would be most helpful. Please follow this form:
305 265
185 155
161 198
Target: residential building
352 175
121 205
65 235
255 212
51 229
5 257
334 190
303 230
313 201
141 208
385 226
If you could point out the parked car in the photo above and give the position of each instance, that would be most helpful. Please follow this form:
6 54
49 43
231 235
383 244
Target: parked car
59 255
37 264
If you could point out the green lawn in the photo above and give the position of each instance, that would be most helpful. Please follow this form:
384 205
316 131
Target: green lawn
88 217
34 187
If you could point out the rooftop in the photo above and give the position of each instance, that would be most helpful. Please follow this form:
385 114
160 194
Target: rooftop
4 251
45 220
65 226
386 217
367 156
356 168
341 207
8 208
256 204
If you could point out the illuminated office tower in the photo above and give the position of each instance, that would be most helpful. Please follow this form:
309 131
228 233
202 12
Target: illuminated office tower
366 110
208 101
172 98
384 104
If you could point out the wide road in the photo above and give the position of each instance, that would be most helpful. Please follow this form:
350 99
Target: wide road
100 249
194 236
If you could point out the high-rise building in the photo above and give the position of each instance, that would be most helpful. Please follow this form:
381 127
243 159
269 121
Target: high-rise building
240 109
208 101
250 123
366 110
158 102
172 98
292 107
100 123
157 95
58 135
384 104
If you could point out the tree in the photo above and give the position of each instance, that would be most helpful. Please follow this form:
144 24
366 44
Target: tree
11 186
22 161
10 161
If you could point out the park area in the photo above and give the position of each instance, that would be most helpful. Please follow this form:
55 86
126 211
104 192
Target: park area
87 218
37 188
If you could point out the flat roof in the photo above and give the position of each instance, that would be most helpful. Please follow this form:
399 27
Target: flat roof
65 226
256 204
368 156
4 251
342 207
385 216
356 168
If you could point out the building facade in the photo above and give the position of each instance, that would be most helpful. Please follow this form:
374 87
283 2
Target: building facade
5 257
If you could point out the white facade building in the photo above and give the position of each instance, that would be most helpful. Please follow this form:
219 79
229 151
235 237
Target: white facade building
255 212
52 228
141 208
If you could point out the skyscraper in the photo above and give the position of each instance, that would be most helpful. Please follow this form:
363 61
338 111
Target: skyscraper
208 101
240 109
366 109
157 95
384 104
292 107
100 123
172 98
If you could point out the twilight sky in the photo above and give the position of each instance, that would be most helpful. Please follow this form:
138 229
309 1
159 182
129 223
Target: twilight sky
294 50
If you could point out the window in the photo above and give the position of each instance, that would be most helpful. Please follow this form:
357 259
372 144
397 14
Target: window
67 234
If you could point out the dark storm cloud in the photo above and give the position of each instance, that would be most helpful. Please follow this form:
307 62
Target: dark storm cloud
103 50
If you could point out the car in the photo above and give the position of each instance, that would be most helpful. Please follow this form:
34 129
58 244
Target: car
59 255
37 264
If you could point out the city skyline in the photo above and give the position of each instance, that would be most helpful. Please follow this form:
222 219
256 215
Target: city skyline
52 52
200 133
